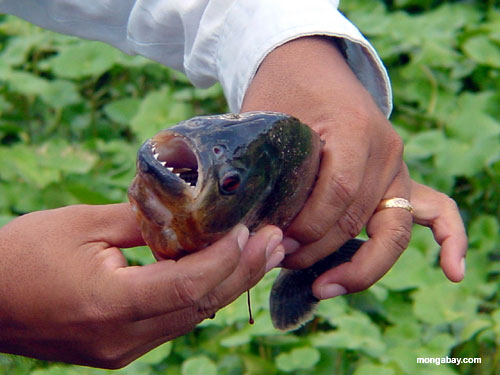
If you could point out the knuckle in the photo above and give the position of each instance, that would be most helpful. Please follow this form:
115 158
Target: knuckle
185 290
399 238
351 223
342 188
451 204
361 116
314 231
209 305
395 145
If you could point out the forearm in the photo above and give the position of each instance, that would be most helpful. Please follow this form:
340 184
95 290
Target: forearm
310 79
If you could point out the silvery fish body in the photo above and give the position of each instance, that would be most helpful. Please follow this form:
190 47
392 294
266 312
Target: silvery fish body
195 181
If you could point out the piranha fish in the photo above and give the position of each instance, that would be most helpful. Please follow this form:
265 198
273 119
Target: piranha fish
195 181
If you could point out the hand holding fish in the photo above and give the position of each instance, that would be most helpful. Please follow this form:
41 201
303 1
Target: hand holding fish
361 165
67 294
361 160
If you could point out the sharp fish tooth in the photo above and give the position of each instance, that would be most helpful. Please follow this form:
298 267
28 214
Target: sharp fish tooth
171 169
163 163
156 156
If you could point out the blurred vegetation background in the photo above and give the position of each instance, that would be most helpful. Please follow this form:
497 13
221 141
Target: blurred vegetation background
73 113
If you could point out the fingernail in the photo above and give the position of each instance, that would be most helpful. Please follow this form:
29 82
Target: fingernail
290 245
242 236
331 290
462 266
276 258
272 243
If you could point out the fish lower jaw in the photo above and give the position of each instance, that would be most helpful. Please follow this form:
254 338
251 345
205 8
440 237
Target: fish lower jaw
146 205
154 221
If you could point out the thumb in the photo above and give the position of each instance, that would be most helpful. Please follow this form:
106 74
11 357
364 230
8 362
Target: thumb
167 286
116 225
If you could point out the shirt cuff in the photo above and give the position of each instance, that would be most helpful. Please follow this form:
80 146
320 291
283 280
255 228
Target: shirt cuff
253 28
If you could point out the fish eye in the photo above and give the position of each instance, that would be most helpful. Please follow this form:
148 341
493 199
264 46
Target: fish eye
230 182
218 151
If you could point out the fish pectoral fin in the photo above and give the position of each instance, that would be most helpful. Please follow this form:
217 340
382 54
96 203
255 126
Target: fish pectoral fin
292 302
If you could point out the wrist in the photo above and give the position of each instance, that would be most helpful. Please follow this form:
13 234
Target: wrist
309 78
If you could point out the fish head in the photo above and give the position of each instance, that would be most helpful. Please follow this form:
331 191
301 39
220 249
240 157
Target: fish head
198 179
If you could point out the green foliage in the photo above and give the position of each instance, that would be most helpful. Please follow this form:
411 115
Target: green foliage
73 113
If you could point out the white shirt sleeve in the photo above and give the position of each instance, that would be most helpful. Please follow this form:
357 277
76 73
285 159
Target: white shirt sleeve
209 40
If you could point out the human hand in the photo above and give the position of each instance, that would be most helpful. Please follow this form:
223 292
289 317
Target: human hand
361 162
67 294
430 208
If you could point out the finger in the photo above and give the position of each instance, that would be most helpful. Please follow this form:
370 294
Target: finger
167 286
255 261
389 231
115 224
440 213
390 234
339 180
249 271
453 240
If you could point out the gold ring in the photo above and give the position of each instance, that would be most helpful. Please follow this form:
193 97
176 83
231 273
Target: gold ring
395 203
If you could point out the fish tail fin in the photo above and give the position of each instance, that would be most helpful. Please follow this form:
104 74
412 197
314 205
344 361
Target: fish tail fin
292 302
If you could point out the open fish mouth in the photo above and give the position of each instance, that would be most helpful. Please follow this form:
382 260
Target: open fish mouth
174 158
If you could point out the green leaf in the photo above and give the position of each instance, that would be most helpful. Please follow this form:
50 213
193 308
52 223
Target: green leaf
122 111
411 271
59 155
481 49
83 60
404 333
156 112
332 308
425 144
4 219
17 49
141 255
60 93
444 303
157 355
473 327
256 365
374 369
22 162
71 370
354 332
465 159
470 120
262 327
298 359
26 83
199 365
484 232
